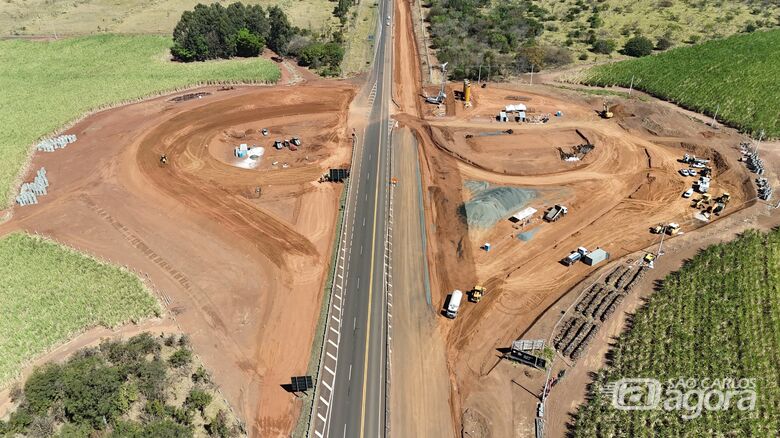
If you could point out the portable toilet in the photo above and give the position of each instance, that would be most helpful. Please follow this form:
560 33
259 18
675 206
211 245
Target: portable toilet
502 117
521 116
486 246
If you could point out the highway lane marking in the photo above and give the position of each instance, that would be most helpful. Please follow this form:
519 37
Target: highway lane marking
330 341
320 416
337 308
354 323
334 330
330 388
333 373
322 399
349 377
330 355
370 295
345 430
318 433
361 249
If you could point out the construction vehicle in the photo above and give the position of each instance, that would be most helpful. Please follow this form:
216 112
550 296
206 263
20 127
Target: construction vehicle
724 198
606 113
163 159
717 208
658 229
454 304
673 229
477 293
705 199
555 213
442 95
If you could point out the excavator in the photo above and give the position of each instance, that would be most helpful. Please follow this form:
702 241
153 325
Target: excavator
477 293
703 201
606 113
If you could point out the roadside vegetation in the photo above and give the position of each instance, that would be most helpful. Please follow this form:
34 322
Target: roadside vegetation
718 317
50 293
146 386
507 38
46 85
735 77
598 30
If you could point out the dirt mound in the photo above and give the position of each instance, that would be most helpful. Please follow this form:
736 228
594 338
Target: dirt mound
488 206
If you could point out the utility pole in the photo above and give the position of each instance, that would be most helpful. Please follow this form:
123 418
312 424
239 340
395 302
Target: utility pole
479 77
715 117
631 87
760 136
532 74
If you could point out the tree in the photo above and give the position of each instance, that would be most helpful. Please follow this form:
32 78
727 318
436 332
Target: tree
197 399
604 46
663 43
248 44
281 31
165 429
180 358
91 391
42 388
638 46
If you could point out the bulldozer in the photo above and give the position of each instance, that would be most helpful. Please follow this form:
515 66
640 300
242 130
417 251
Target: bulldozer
703 201
606 113
477 293
658 229
724 198
649 257
673 229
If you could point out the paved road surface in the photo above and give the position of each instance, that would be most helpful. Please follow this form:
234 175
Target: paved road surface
350 397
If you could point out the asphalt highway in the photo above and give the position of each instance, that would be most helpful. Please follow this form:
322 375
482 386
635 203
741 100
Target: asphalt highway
357 404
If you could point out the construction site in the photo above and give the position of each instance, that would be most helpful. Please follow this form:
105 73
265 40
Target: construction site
516 180
238 254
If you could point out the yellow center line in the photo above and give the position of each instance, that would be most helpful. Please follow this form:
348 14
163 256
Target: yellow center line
370 293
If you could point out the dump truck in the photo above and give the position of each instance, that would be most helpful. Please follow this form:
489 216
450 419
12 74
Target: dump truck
477 293
454 305
555 213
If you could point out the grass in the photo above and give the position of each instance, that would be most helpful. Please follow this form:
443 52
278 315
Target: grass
47 17
736 76
682 20
718 317
47 85
359 49
50 293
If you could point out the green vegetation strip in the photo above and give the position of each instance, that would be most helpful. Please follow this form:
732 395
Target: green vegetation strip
737 77
50 293
717 318
301 428
47 85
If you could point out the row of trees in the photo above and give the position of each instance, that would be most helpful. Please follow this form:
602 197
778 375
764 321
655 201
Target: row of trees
468 33
215 31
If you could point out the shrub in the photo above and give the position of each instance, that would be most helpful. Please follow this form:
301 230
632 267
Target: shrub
180 358
638 46
664 43
604 47
197 399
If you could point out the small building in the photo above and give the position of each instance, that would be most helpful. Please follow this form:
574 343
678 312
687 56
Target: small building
595 257
523 215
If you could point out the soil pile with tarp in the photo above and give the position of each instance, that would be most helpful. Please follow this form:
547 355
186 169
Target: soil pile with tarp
488 205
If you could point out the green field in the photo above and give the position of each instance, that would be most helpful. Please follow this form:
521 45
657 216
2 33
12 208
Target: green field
736 76
47 17
682 21
49 293
49 84
718 317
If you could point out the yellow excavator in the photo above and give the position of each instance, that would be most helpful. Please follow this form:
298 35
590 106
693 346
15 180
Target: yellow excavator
477 293
606 113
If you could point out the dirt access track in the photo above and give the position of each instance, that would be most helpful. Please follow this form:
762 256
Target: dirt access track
627 183
241 273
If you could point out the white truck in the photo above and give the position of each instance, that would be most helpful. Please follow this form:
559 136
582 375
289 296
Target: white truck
454 304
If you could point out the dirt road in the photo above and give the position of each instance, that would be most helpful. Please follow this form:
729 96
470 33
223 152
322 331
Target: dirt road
237 255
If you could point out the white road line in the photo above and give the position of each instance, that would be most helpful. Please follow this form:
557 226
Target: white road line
320 415
349 377
330 341
332 373
322 399
337 308
330 355
354 323
318 433
330 388
334 330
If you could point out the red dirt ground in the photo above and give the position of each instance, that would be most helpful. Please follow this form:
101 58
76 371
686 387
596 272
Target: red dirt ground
627 184
242 275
